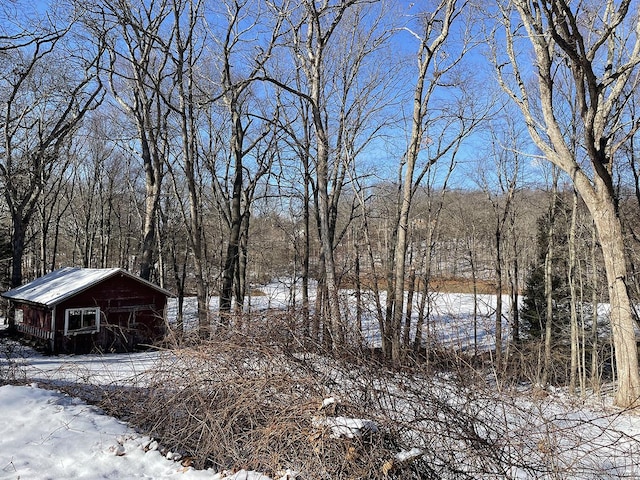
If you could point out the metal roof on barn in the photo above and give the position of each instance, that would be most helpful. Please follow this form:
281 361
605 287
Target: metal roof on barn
64 283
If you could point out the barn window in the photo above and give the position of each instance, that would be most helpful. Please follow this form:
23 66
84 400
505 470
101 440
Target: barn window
81 320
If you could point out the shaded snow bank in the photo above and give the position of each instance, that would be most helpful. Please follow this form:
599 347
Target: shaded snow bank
49 435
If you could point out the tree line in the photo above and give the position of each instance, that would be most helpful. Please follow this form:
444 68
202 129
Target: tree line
374 145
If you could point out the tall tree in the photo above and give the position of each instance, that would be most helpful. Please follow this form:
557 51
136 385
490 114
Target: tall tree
186 49
434 134
137 73
426 244
598 45
48 84
311 34
248 128
330 45
501 192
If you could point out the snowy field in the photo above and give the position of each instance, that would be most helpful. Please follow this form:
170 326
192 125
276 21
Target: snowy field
45 434
452 323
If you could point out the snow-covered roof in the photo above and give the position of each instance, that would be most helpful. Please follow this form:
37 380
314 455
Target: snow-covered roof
61 284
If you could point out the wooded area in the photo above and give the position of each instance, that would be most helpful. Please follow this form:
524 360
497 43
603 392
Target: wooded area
387 148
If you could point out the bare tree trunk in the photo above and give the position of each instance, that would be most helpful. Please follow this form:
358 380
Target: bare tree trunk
184 59
152 169
236 85
18 236
403 227
160 266
406 333
430 242
571 274
595 357
423 312
582 45
243 256
137 86
358 287
319 314
507 167
431 41
474 282
583 327
387 330
326 236
514 285
621 317
499 288
373 270
306 254
548 293
233 240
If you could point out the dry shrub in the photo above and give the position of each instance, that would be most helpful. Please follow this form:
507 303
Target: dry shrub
526 363
12 355
253 399
231 406
250 402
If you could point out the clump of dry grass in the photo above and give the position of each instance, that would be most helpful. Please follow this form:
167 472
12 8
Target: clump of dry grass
11 361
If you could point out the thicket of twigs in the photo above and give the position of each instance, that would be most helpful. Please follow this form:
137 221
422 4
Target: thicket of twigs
255 401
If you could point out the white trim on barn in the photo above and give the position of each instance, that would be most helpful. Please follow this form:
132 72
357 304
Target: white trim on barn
86 320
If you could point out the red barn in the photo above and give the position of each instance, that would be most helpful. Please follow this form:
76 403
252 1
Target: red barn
82 310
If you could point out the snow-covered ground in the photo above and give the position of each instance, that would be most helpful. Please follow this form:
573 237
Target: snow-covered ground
45 434
48 435
451 319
